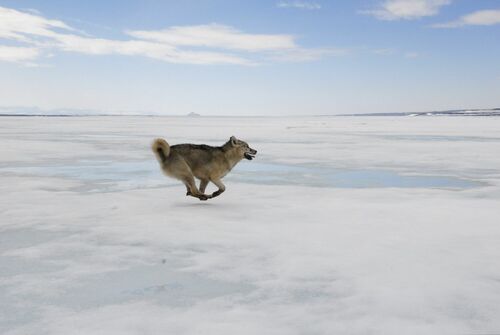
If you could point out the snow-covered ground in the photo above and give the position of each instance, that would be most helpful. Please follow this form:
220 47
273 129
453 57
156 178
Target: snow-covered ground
341 225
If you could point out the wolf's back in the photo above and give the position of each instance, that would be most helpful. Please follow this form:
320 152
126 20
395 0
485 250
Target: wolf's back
161 149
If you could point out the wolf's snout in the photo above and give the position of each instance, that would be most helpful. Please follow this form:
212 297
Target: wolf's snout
250 154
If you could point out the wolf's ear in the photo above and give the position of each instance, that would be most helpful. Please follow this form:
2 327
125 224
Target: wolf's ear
233 140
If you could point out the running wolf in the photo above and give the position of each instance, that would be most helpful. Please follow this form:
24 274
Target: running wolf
206 163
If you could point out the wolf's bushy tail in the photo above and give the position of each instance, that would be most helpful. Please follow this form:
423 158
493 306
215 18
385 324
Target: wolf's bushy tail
161 149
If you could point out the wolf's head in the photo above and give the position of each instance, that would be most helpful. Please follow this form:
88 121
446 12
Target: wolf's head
242 148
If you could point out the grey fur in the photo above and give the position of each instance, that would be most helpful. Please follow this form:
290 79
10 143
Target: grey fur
204 162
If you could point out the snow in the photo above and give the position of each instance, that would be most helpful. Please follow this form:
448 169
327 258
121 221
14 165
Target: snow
95 240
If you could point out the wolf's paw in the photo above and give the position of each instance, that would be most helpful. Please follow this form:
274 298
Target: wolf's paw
188 193
203 197
216 194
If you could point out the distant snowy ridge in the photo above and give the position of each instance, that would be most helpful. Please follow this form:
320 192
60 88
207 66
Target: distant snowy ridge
454 112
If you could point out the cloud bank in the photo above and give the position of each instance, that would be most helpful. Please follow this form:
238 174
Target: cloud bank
198 44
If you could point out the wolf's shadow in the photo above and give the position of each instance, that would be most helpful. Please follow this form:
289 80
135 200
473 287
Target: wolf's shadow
195 204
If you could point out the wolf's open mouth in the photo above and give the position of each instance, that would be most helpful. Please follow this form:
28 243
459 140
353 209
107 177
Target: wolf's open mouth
249 156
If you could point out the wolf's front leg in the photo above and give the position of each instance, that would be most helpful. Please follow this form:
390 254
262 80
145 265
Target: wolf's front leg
221 187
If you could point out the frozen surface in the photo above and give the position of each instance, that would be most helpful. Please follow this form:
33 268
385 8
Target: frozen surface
359 225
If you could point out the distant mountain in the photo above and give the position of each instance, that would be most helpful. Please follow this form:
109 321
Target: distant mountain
35 111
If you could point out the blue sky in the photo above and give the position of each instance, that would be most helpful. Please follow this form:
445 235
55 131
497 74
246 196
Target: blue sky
228 57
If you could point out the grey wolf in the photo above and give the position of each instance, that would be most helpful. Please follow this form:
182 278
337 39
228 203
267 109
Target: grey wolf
186 162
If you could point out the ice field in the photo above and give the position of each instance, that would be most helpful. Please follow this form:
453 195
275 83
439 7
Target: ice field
341 225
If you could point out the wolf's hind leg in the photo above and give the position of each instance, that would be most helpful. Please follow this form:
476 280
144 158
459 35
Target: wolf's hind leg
221 187
192 189
203 185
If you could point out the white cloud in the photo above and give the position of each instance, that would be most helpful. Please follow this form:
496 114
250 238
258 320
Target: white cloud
407 9
299 4
160 51
199 44
18 54
20 26
216 36
480 18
